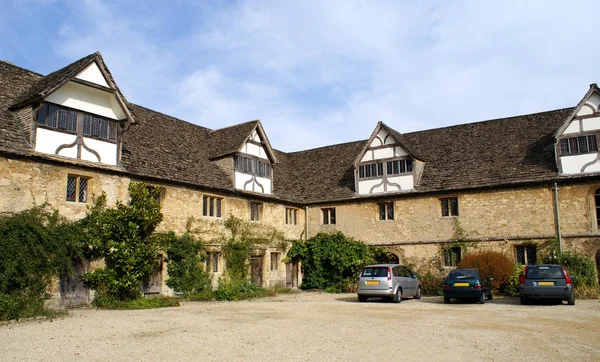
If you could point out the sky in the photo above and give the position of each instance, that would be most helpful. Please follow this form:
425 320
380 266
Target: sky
318 73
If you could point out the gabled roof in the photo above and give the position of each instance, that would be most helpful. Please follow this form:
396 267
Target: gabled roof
593 89
45 86
398 137
229 140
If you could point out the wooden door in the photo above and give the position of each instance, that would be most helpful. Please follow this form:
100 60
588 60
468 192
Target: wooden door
291 274
151 285
256 269
72 291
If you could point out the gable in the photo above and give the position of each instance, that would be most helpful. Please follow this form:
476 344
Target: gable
254 146
383 145
88 99
93 74
577 140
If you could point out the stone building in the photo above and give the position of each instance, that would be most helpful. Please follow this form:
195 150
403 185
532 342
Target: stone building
506 184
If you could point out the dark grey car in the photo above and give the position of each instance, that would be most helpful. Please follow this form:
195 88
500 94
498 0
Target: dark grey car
389 281
546 281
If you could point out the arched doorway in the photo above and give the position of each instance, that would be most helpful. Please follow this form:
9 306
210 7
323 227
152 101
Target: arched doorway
389 257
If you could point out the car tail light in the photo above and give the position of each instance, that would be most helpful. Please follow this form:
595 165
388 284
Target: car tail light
567 277
389 274
359 274
477 287
522 279
446 287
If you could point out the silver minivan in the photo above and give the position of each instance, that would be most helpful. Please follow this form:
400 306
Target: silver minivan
393 281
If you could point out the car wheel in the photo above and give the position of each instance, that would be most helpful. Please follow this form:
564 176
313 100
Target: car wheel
482 299
398 296
524 301
447 300
571 300
418 295
362 298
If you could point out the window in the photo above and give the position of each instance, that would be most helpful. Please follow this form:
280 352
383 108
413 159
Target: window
328 216
526 254
397 167
452 256
158 197
62 118
577 145
212 262
371 170
77 188
255 211
252 166
291 216
449 206
275 261
386 211
211 206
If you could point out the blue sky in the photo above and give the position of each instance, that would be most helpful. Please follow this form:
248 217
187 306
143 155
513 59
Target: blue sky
321 72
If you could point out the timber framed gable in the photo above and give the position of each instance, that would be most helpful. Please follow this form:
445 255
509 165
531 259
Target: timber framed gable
576 146
387 163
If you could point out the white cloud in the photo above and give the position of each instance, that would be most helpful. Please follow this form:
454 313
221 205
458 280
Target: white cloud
317 72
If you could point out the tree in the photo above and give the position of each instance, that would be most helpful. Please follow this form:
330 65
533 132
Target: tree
123 237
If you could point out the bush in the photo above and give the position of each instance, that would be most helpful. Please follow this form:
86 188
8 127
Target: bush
431 285
185 265
332 262
236 289
491 264
582 268
512 288
36 246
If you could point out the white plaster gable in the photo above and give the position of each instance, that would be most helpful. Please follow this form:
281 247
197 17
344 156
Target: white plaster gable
93 74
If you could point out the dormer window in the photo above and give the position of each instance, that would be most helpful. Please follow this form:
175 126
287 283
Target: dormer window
252 166
397 167
370 170
578 145
72 121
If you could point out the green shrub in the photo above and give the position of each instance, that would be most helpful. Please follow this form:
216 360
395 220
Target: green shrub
431 284
332 262
36 246
106 302
123 237
512 288
185 264
236 289
580 267
491 264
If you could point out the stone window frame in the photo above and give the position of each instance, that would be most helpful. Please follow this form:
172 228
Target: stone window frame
256 209
217 201
329 216
446 211
77 197
384 209
526 250
291 216
212 261
451 256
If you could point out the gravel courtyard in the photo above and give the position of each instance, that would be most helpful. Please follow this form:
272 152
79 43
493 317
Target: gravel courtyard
314 327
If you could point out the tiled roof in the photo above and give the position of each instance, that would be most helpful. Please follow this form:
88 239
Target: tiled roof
483 154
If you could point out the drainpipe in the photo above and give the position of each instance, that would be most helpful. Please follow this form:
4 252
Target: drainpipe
305 223
557 218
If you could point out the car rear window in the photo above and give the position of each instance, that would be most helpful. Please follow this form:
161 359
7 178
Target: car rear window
463 274
544 272
375 272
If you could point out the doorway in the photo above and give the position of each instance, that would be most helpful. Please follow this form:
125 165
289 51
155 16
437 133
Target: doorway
256 269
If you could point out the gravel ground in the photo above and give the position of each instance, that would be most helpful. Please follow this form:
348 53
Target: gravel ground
314 327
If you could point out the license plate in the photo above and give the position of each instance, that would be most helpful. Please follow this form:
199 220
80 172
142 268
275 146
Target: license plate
372 282
545 283
461 284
